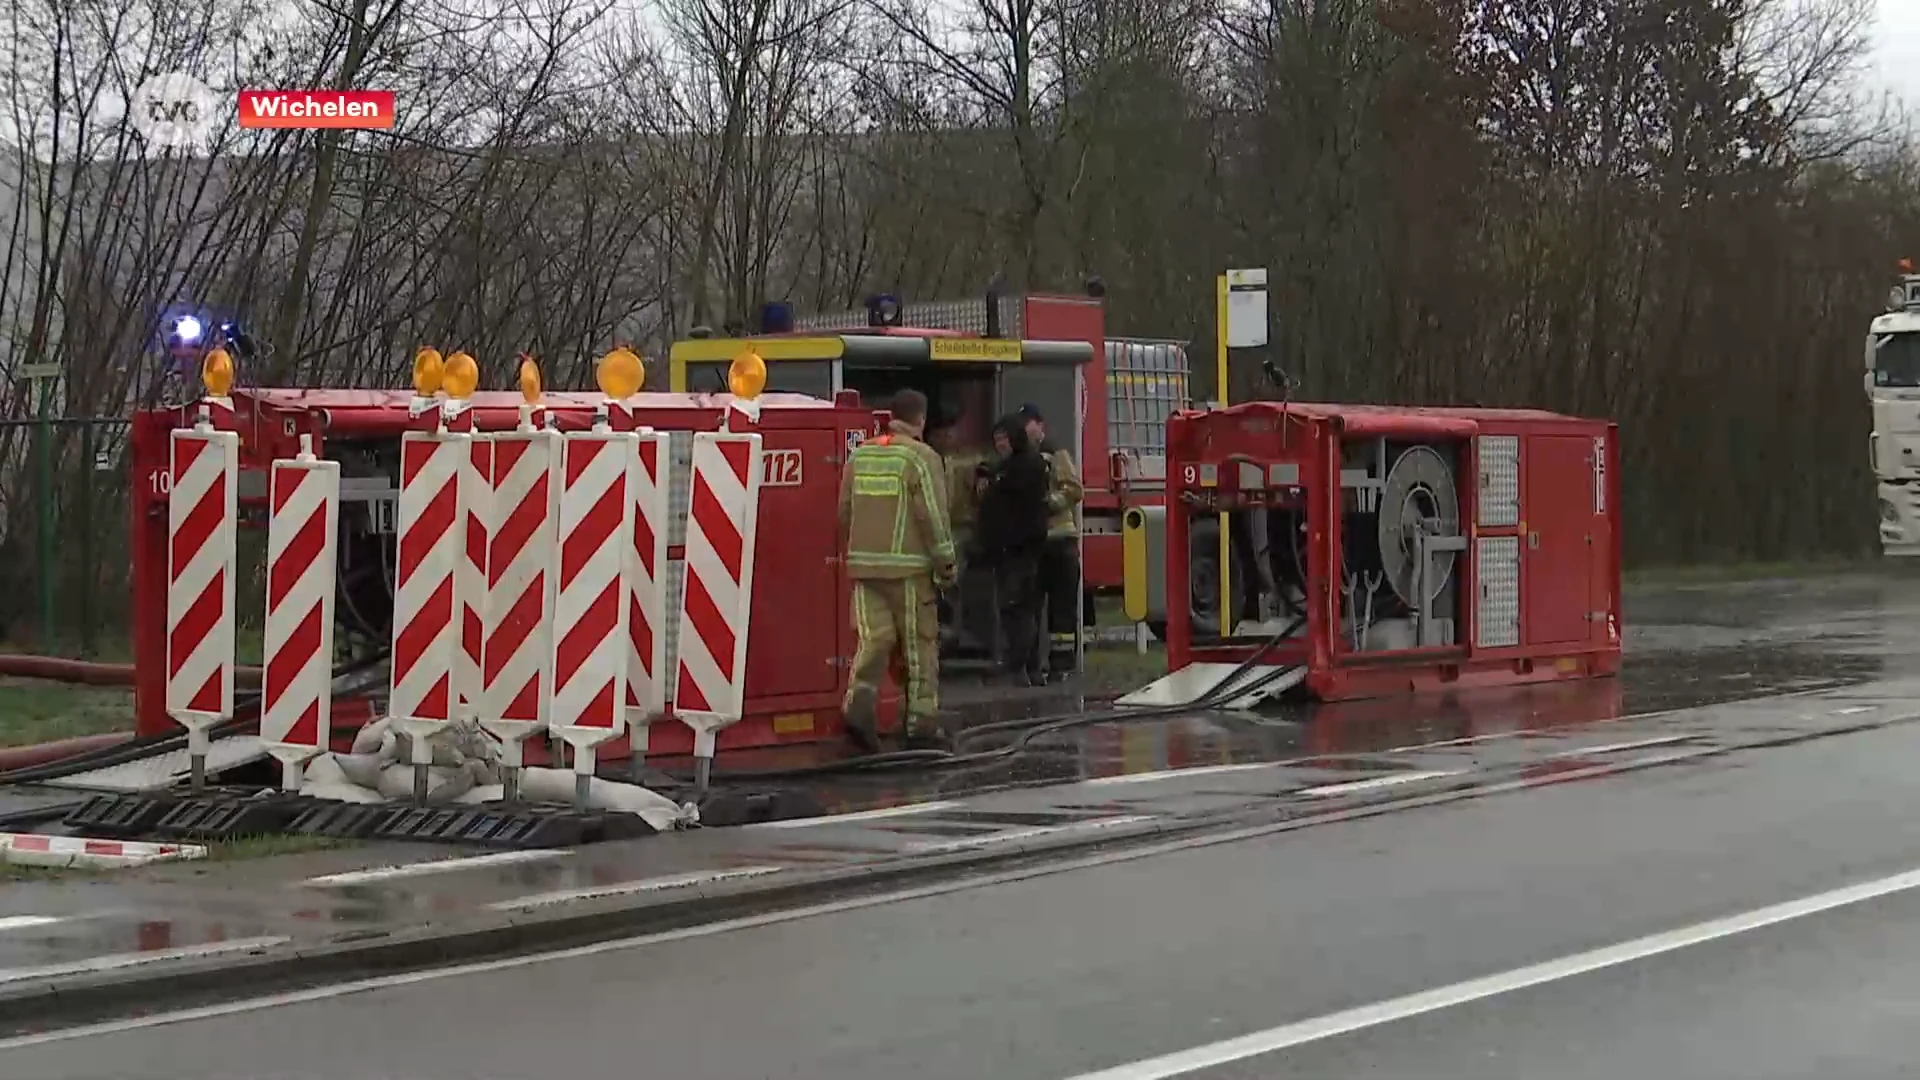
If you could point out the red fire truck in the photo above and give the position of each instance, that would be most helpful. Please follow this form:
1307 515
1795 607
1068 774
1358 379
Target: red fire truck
989 356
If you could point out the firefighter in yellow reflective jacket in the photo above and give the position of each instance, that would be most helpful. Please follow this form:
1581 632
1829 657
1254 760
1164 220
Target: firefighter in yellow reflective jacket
972 597
1060 558
893 508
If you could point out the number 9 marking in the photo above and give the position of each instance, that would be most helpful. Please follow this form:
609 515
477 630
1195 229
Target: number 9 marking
1190 475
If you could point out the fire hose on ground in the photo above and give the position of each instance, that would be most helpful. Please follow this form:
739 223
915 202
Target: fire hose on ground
1030 730
1025 734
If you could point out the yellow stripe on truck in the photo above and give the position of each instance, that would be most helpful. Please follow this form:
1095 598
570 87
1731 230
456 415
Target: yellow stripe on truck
723 350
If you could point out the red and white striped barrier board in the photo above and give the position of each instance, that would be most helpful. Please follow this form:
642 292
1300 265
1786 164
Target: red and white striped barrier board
590 608
37 849
470 580
717 596
426 609
647 585
202 513
296 690
517 659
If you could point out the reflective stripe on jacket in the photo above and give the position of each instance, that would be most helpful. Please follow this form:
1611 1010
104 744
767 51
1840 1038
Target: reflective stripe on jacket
893 506
1066 494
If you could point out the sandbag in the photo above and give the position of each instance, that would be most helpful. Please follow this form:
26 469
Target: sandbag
324 779
361 769
466 771
372 739
556 785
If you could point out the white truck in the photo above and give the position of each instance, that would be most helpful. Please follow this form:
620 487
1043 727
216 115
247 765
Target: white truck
1893 391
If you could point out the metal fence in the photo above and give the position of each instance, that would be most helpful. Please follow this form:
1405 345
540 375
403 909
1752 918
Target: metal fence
64 564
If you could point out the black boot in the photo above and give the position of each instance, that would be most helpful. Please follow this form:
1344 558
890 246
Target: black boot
862 719
1059 665
927 735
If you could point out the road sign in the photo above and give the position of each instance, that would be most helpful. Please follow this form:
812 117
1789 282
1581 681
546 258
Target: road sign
51 370
1246 308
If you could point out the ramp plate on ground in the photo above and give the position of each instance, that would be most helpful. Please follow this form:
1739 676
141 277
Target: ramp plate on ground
1196 681
165 770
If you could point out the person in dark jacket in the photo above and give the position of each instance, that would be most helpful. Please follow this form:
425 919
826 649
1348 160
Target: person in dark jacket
1012 533
1060 585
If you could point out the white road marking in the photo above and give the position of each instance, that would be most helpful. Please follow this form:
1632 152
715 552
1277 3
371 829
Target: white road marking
1395 780
726 926
436 866
627 888
1286 1036
1855 709
116 961
22 922
1524 733
856 816
1010 835
1164 774
1651 760
1005 836
1614 748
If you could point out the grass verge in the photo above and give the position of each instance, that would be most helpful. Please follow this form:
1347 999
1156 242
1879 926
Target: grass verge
242 848
37 711
12 874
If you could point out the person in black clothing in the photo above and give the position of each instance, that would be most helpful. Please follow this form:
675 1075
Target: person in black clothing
1063 597
1012 532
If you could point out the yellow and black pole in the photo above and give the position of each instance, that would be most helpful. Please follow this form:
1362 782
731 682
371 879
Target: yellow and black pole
1240 322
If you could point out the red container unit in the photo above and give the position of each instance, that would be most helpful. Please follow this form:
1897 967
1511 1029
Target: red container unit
1404 549
801 635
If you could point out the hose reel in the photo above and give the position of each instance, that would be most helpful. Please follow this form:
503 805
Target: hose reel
1417 498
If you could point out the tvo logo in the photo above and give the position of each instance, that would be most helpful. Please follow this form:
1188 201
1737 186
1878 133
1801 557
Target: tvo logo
173 110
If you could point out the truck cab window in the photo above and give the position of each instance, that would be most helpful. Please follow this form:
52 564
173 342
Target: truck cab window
1896 360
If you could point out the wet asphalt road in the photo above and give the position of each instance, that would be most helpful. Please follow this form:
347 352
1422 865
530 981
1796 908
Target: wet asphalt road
1058 976
1833 997
1686 645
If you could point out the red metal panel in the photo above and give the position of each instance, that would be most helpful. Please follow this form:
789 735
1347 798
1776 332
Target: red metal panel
1180 432
1572 574
1324 544
148 543
1560 546
1373 419
796 607
798 700
1375 426
1079 318
1615 566
1103 560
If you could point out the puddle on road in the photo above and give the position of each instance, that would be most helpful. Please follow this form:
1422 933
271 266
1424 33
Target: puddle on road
121 935
1337 736
1672 679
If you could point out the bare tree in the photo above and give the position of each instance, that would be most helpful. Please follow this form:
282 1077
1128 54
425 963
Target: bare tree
753 75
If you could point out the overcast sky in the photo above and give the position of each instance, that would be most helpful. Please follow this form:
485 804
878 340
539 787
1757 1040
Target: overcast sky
1897 48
